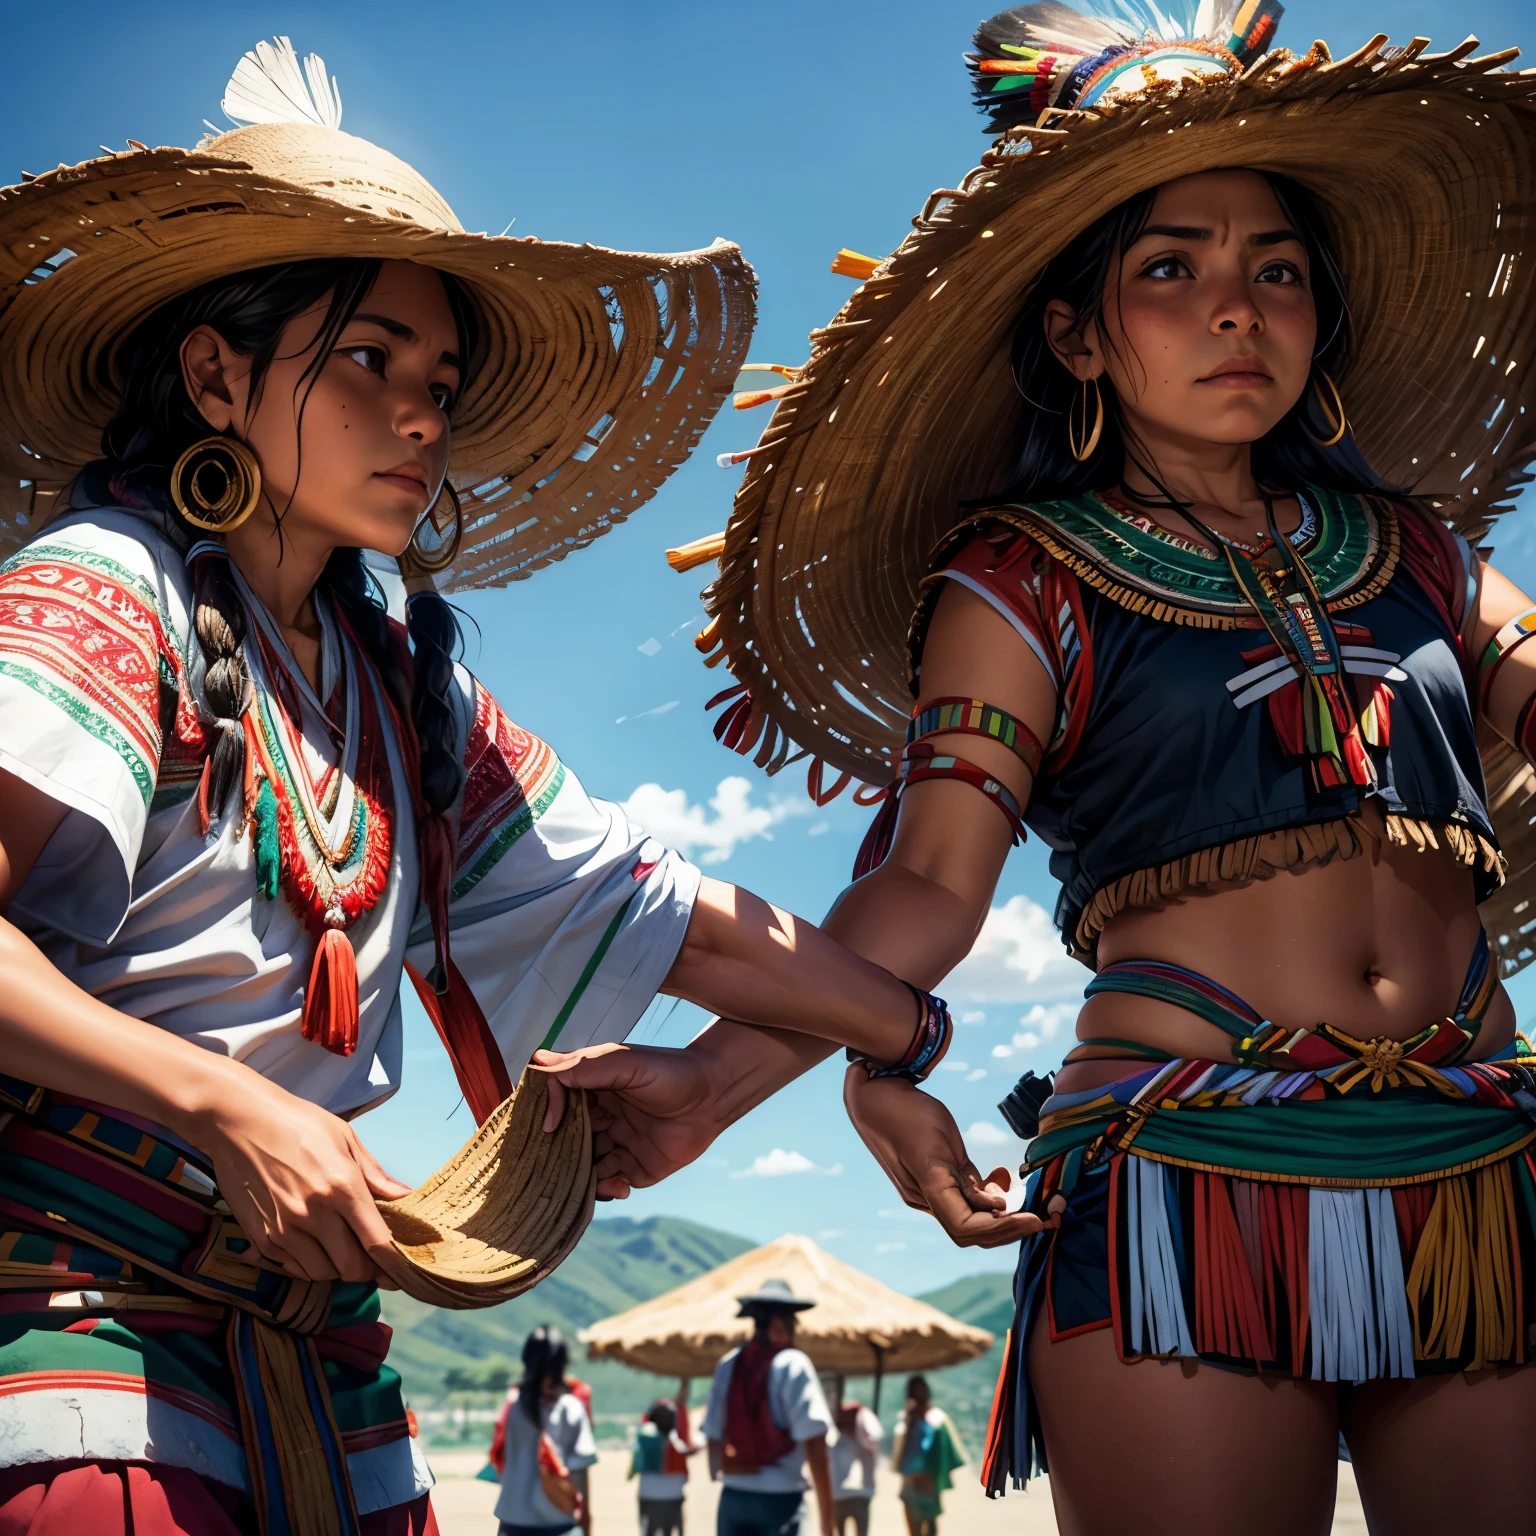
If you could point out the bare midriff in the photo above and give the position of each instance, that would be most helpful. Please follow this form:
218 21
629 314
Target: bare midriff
1376 945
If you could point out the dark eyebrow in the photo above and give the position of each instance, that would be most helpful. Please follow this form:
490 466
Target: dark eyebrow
1193 233
1175 232
400 329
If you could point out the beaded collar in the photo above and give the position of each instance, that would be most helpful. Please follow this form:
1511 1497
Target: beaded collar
1352 554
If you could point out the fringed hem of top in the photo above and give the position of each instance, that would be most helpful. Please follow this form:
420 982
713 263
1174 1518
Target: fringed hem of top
1261 857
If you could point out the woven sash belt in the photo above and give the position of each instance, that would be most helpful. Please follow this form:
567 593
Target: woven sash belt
491 1223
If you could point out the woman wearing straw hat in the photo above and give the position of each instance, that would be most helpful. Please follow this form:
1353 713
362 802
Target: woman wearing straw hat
236 804
1129 422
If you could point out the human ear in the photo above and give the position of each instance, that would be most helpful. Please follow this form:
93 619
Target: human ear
1075 347
214 377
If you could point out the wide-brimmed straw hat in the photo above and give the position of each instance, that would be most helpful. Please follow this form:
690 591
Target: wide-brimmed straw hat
504 1212
601 367
907 410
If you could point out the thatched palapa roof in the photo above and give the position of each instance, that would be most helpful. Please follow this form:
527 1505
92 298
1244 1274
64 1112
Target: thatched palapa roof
857 1326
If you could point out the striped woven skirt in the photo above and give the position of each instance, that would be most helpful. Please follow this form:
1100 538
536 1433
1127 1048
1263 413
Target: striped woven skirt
147 1366
1337 1225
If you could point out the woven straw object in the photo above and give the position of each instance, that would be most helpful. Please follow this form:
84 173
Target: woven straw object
856 1326
602 367
907 409
504 1212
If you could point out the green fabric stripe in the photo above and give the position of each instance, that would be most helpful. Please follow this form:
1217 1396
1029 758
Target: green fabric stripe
89 719
1166 989
508 833
1364 1136
591 970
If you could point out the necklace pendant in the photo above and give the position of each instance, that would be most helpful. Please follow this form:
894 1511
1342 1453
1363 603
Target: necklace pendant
334 916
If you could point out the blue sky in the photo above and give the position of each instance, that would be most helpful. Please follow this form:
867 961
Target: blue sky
793 128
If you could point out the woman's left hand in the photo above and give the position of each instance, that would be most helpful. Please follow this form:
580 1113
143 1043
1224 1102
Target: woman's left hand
915 1139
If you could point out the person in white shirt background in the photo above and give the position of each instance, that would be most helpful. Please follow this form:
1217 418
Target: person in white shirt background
543 1496
853 1455
768 1423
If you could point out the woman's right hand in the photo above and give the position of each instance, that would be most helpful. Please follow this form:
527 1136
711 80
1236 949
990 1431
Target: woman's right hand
915 1139
298 1181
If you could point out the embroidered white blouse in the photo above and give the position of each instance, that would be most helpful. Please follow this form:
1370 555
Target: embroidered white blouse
565 917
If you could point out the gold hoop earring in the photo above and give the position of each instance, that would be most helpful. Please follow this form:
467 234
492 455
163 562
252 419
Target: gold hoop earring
426 557
1083 451
216 484
1337 421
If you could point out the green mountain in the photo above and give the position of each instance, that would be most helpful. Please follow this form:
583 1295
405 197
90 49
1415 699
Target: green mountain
618 1263
464 1359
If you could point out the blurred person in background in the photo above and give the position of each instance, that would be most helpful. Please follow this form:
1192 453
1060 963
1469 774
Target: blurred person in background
927 1453
548 1446
853 1456
660 1460
767 1424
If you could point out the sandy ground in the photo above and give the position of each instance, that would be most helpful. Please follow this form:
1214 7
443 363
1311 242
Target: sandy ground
464 1507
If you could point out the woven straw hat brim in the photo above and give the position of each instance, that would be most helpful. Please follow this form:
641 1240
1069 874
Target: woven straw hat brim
602 367
907 409
504 1212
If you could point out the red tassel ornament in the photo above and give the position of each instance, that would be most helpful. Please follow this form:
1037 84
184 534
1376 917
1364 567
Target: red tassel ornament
330 1000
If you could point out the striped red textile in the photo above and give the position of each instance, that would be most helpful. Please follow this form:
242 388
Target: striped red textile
124 1498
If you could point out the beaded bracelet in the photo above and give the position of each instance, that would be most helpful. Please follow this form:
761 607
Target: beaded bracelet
930 1041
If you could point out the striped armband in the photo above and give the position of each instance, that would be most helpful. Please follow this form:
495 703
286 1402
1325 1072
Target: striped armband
1503 645
971 717
920 762
935 1030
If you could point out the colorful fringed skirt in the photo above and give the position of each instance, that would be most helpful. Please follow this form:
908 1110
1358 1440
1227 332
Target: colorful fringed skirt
147 1366
1339 1211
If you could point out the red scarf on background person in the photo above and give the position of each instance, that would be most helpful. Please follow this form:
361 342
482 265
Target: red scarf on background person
752 1439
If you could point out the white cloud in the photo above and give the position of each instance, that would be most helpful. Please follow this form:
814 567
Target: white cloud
954 1066
828 1233
710 838
778 1163
649 647
1017 958
818 828
901 1213
983 1133
974 1016
890 1247
1039 1025
976 1075
644 714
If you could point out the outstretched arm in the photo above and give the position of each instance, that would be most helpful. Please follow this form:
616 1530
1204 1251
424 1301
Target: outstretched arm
918 915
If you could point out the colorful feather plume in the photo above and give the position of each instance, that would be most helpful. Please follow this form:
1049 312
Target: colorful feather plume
1049 55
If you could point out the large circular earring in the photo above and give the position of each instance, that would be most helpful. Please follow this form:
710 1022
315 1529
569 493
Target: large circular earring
216 484
1082 443
1338 422
432 548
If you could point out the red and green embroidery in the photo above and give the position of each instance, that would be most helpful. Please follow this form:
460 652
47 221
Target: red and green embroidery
86 633
512 779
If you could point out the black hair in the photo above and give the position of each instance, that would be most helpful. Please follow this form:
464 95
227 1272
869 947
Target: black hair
545 1358
1288 456
663 1415
157 419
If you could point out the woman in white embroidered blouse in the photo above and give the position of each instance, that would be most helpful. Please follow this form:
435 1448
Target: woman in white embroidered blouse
234 810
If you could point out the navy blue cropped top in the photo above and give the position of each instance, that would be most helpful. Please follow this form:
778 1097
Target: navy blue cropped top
1177 761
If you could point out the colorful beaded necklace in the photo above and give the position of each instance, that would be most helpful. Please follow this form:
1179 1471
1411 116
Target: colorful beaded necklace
327 844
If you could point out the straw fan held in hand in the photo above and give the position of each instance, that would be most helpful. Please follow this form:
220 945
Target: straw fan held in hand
1133 500
239 802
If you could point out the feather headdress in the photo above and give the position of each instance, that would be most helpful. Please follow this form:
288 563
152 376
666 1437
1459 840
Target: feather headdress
1048 55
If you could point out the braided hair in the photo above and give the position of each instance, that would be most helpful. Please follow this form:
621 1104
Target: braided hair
157 420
